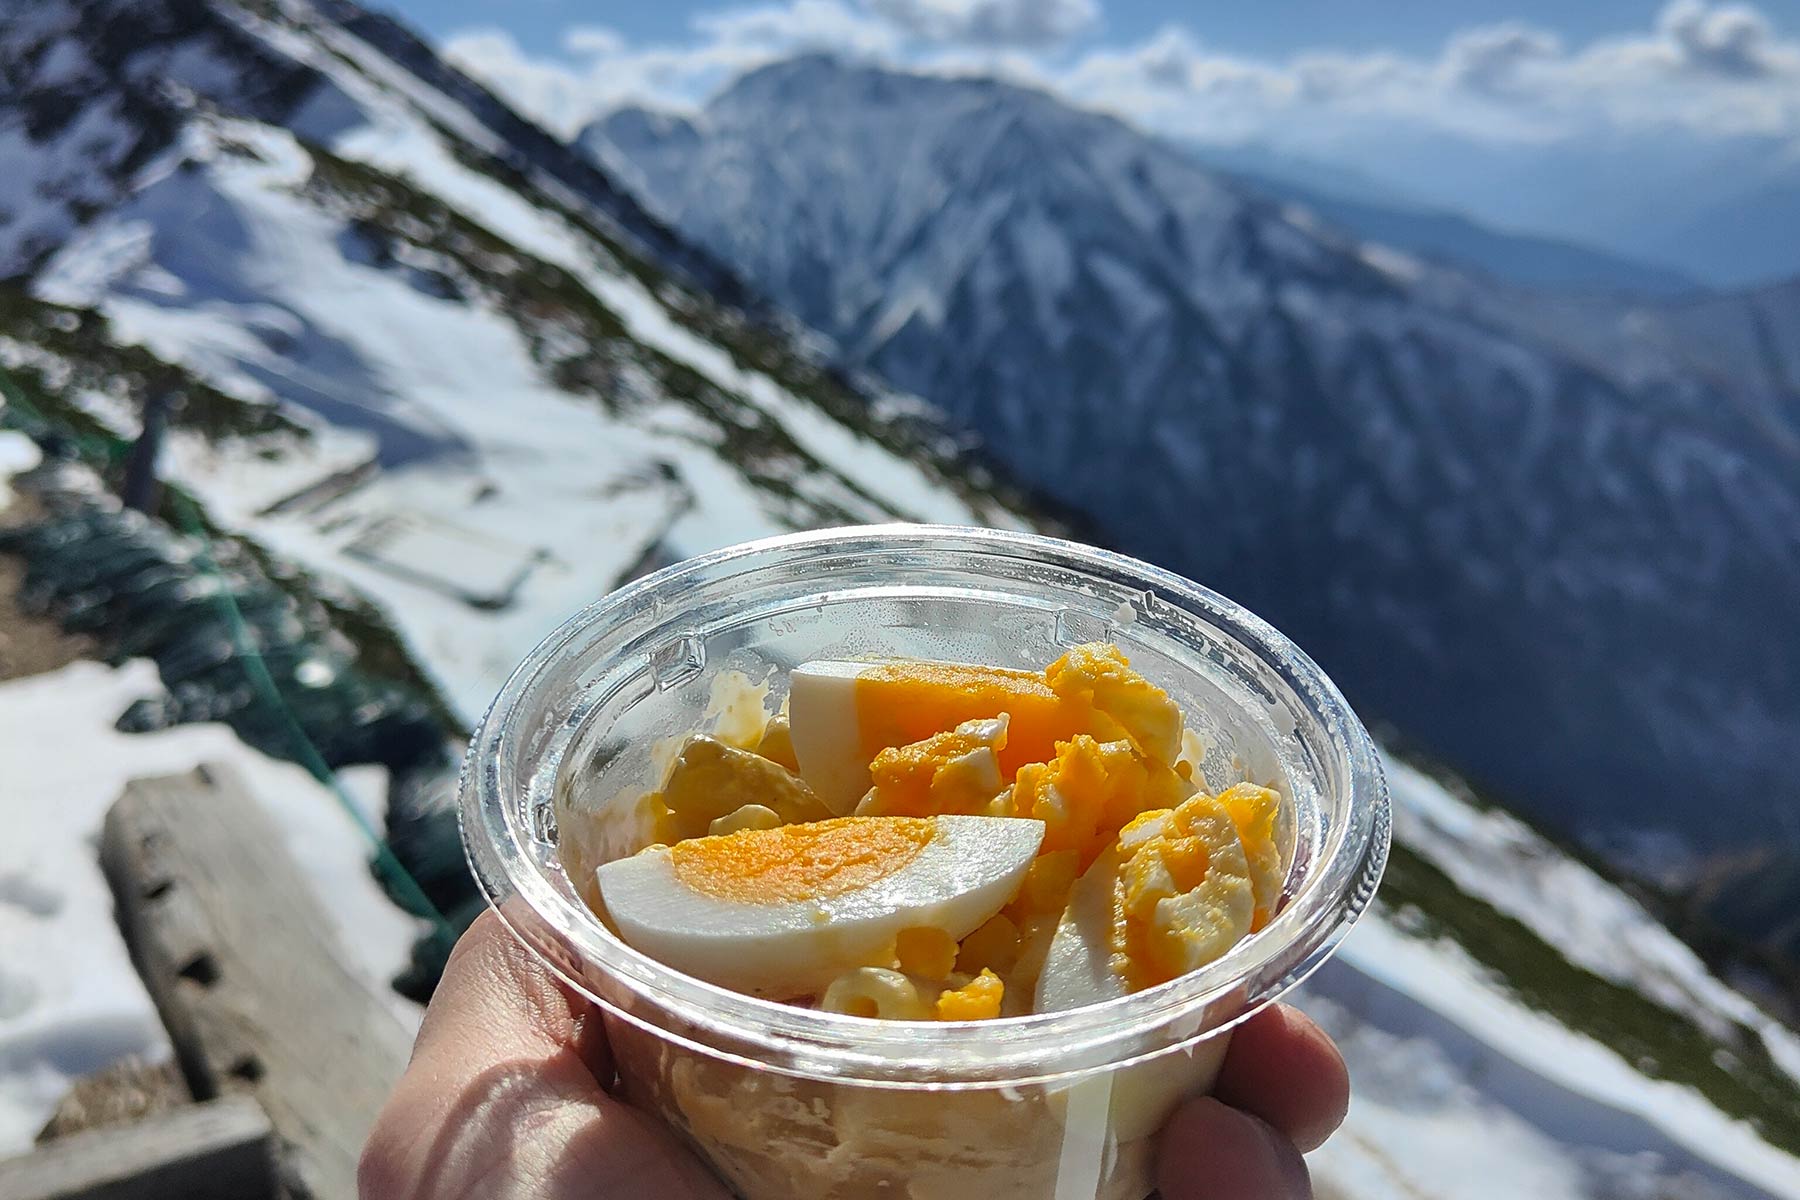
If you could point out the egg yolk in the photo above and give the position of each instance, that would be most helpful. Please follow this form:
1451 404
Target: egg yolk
800 862
1256 811
1182 896
925 951
954 772
1087 793
1087 746
900 703
977 1000
1099 676
993 946
1047 884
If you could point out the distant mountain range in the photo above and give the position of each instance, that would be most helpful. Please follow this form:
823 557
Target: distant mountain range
1718 209
1560 547
1456 240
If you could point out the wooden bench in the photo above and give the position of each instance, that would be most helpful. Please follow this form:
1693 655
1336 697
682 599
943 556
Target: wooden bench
219 1150
286 1048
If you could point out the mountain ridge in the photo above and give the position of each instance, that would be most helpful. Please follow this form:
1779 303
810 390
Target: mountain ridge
1463 242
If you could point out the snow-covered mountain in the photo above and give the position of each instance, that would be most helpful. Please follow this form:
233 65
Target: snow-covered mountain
479 329
442 383
1572 577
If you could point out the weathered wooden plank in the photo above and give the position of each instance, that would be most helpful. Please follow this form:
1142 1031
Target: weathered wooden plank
220 1150
239 958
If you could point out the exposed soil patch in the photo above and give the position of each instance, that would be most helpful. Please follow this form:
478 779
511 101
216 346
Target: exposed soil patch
29 645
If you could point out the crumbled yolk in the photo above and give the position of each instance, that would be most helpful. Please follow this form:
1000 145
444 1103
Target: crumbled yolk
925 951
900 703
1089 791
710 780
800 862
1087 746
1073 793
977 1000
1182 896
1256 812
954 772
1099 675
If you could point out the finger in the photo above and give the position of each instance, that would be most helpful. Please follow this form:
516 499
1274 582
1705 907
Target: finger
1212 1152
500 1088
1286 1070
495 1001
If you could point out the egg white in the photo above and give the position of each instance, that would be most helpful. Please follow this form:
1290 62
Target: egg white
1078 970
826 732
968 870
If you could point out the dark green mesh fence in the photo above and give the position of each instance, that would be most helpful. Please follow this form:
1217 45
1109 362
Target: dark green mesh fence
235 645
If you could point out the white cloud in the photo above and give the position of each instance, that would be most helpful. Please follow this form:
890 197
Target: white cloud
990 22
1702 70
798 25
1705 70
593 40
1492 59
600 70
1733 40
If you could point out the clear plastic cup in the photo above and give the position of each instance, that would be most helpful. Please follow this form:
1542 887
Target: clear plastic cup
788 1102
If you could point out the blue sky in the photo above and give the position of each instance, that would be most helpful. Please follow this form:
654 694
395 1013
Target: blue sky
1413 26
1612 122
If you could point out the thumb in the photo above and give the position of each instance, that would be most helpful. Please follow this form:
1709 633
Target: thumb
499 1100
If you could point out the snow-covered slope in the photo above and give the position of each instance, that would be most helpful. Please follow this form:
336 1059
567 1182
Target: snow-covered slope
1516 1026
1559 574
489 337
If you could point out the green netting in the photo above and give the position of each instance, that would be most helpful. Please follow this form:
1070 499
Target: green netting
233 645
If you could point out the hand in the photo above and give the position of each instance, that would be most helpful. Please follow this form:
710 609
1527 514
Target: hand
503 1100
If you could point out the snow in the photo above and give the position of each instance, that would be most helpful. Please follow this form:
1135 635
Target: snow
420 157
43 180
1418 1127
18 454
231 271
1403 267
1523 1061
1131 293
70 1002
432 373
64 63
1494 856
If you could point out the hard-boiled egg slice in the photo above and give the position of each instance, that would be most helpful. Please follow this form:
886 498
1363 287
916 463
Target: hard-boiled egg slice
842 714
781 912
1172 895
